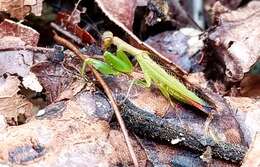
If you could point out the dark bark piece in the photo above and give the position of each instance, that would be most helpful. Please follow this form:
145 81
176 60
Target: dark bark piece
153 127
235 39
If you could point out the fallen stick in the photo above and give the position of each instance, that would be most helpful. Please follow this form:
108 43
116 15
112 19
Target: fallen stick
153 127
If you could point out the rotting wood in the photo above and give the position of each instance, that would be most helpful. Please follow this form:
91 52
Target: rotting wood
153 127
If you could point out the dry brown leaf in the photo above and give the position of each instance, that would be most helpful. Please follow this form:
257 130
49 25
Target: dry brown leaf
116 139
152 101
11 30
67 133
55 79
73 89
15 35
247 113
122 10
250 86
20 8
12 104
67 24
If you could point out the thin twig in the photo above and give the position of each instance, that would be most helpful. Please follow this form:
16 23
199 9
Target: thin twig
66 33
108 92
30 48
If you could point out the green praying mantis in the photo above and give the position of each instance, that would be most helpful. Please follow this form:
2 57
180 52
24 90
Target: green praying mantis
115 64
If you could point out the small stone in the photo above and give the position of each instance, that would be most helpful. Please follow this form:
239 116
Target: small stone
175 141
40 113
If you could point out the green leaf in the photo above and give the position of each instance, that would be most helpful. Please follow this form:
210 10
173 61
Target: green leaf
117 63
102 67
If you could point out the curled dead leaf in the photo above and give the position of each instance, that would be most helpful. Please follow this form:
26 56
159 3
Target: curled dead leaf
235 39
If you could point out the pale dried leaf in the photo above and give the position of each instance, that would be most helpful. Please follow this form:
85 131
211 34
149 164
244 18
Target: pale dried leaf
13 35
31 82
252 156
3 123
12 104
20 8
232 4
16 62
9 87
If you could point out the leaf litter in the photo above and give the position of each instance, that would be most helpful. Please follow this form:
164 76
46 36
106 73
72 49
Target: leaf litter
77 126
